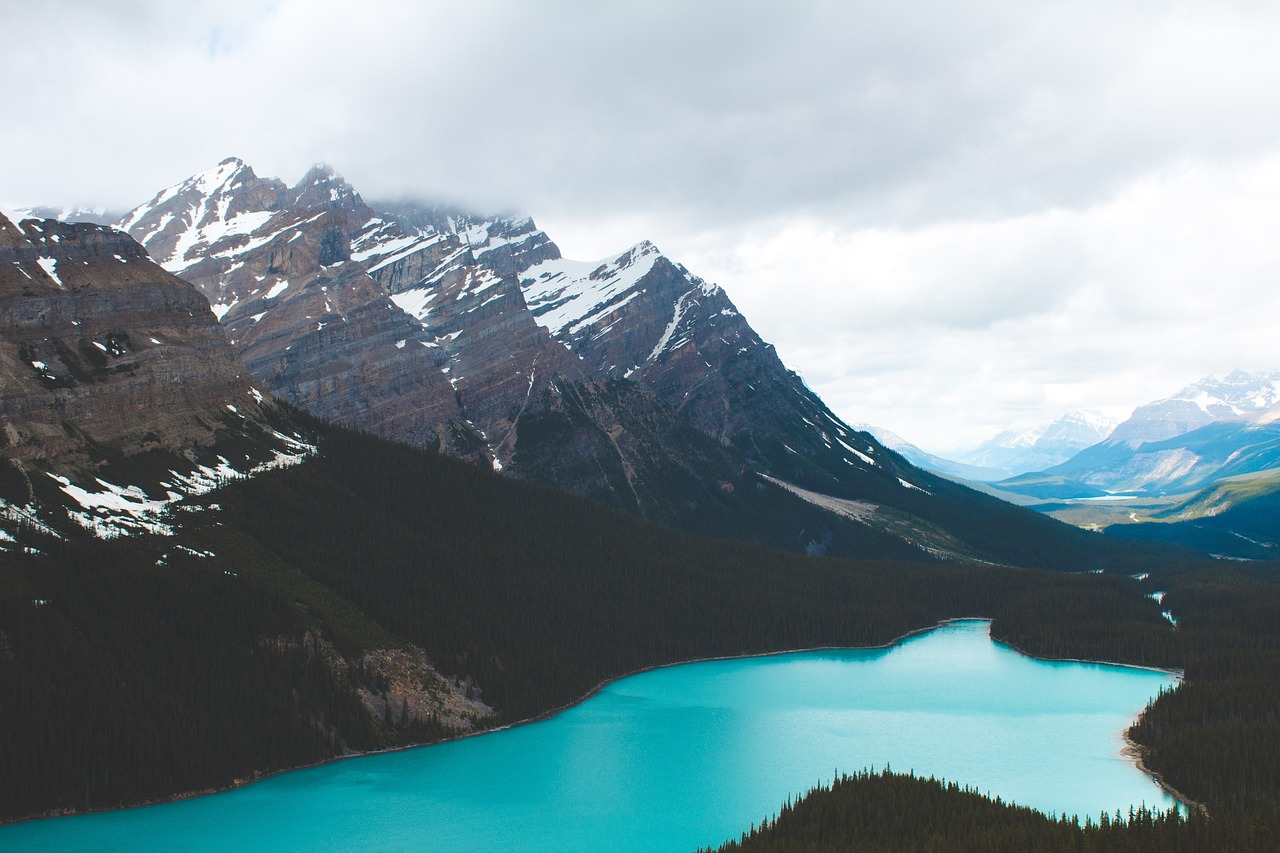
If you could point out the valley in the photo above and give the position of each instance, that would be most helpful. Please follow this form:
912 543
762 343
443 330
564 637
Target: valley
694 427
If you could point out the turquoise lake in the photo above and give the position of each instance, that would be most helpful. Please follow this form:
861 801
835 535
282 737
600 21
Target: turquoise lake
688 756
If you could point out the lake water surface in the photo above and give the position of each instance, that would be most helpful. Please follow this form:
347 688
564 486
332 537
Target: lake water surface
688 756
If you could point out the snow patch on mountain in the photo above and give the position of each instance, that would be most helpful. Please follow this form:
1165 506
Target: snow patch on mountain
115 511
664 343
15 218
50 267
567 295
414 302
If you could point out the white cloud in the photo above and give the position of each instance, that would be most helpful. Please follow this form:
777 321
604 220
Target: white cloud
951 218
1010 322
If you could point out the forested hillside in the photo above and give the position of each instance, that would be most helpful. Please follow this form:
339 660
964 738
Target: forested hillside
272 622
895 813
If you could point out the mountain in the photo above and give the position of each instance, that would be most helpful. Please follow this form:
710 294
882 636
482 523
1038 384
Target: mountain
641 316
1207 401
407 323
182 554
1018 451
930 462
1209 430
628 380
110 361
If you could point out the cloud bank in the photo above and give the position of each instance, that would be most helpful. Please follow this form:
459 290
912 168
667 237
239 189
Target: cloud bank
950 218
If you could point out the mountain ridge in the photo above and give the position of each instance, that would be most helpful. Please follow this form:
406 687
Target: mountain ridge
1014 452
630 380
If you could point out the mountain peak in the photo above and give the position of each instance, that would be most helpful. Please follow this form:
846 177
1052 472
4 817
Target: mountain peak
319 173
322 186
1042 446
1239 393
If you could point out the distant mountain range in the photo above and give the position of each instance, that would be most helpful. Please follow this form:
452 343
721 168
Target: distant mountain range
1011 452
1017 452
931 461
1209 430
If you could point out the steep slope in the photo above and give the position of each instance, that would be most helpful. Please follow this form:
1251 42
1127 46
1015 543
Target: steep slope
408 323
108 361
640 316
318 332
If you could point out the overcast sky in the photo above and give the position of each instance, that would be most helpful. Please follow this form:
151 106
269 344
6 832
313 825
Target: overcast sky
951 218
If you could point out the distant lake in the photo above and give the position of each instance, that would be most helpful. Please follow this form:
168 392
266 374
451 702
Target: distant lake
688 756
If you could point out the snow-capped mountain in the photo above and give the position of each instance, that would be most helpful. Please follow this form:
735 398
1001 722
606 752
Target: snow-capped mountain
1198 404
1210 429
1015 452
331 304
641 316
436 308
629 379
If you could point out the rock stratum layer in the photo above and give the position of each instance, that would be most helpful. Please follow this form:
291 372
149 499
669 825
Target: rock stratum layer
103 353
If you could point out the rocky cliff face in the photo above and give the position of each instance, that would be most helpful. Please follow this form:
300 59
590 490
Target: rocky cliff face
103 349
108 360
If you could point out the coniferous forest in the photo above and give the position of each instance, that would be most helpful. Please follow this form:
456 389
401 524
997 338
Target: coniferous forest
144 668
888 812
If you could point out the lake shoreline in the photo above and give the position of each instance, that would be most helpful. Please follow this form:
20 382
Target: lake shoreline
1131 752
1134 752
